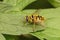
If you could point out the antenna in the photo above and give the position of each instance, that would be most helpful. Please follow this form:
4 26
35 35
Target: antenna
36 11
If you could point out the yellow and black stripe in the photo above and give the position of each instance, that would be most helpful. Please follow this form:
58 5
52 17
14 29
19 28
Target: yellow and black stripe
34 18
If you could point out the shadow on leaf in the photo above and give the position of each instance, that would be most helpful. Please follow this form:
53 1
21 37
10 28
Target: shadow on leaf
39 4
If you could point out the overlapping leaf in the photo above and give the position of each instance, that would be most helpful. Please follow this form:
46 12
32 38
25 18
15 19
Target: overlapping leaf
2 37
55 3
11 37
13 5
19 4
43 36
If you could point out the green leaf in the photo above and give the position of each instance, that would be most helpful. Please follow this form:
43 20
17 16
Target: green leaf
11 2
2 37
11 22
20 4
55 3
4 7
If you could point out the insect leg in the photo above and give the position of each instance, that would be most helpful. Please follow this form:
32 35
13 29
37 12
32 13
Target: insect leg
34 27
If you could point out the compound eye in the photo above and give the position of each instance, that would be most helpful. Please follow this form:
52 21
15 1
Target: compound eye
32 16
38 16
26 18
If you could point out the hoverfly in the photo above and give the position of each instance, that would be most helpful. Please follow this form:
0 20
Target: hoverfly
35 19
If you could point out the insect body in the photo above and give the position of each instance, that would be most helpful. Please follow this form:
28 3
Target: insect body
35 19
